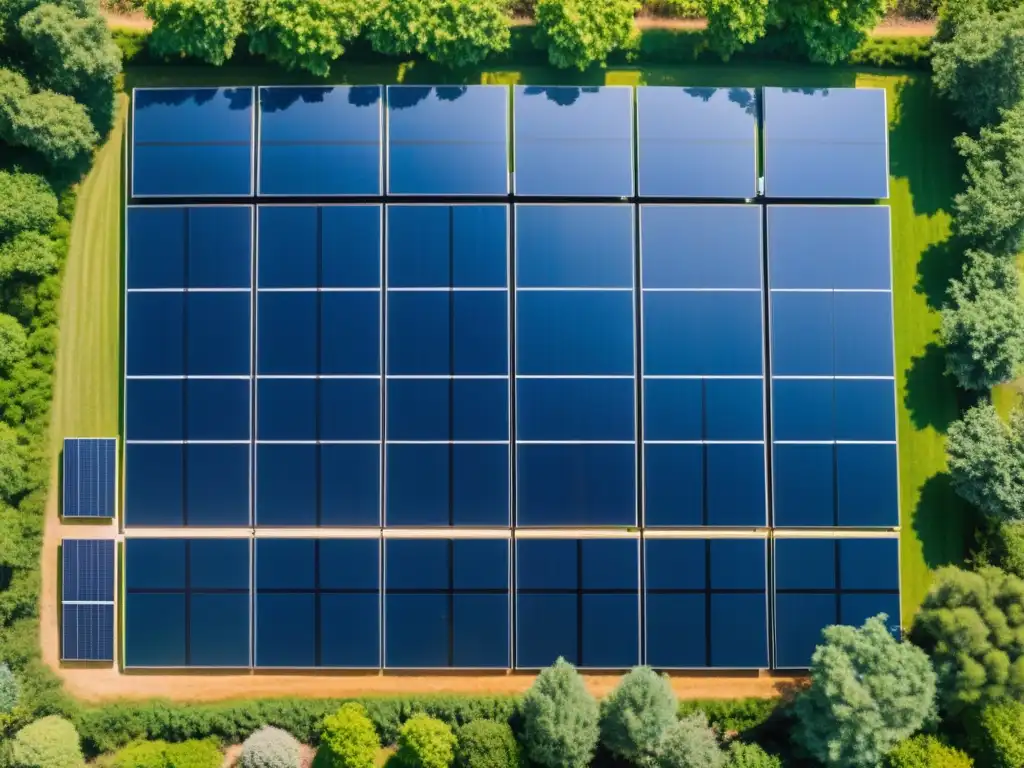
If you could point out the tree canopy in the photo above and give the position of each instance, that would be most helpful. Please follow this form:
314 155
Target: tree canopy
636 715
306 34
827 30
26 203
579 33
690 743
204 29
733 24
455 33
986 461
560 719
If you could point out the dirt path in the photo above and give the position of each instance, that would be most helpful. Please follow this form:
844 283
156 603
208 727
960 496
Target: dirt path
136 20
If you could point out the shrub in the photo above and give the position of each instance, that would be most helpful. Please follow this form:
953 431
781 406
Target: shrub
13 343
9 692
347 739
732 715
487 744
986 461
54 125
455 33
1008 547
690 743
270 747
827 30
425 742
998 734
48 743
560 719
742 755
26 204
306 34
926 752
578 33
205 29
636 714
160 754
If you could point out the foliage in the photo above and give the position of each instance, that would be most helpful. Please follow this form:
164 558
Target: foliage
986 461
270 747
13 345
26 203
560 719
425 742
741 755
636 714
160 754
204 29
578 33
917 9
52 124
827 31
690 743
968 624
981 67
1008 547
456 33
983 324
487 744
28 255
348 739
998 734
733 24
9 691
732 715
47 743
868 692
926 752
305 34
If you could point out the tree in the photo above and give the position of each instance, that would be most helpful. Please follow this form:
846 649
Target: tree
348 739
270 747
986 461
9 690
983 323
998 734
636 715
27 255
981 68
306 34
827 30
14 89
868 692
52 124
578 33
953 13
48 743
926 752
733 24
487 744
204 29
742 755
1007 545
560 719
26 203
690 743
13 478
425 742
13 343
969 623
455 33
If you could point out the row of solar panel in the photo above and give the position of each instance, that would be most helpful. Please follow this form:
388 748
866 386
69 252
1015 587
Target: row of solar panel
87 600
447 603
89 477
567 141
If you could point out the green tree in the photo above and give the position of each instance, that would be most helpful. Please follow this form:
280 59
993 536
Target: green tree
1007 547
578 33
306 34
827 30
981 68
487 744
986 461
742 755
690 743
27 255
926 752
9 690
997 734
13 343
52 124
455 33
983 323
204 29
953 13
26 203
733 24
48 743
13 478
868 692
636 715
969 623
348 739
270 747
560 719
425 742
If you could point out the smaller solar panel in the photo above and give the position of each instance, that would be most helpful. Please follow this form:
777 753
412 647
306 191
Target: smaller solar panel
87 600
90 471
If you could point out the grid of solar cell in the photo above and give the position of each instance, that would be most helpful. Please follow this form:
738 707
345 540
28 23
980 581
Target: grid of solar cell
575 365
87 600
705 603
448 140
187 602
325 140
819 582
697 142
192 141
90 472
703 365
826 143
318 392
833 390
573 142
447 457
578 599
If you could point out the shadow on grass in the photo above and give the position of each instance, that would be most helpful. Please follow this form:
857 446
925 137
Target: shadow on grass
943 522
940 263
927 386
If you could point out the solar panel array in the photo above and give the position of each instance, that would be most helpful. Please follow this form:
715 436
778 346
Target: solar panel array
89 477
87 600
487 334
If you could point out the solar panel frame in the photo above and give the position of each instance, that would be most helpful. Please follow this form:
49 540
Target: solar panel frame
105 483
88 588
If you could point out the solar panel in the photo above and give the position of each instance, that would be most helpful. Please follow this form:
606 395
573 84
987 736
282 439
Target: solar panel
90 477
192 141
320 140
448 140
820 582
697 142
573 142
833 390
826 143
87 600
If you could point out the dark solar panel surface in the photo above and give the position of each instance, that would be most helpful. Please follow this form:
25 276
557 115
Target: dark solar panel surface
192 142
697 142
90 472
87 600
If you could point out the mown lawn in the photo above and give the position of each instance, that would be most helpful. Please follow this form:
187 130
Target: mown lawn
924 177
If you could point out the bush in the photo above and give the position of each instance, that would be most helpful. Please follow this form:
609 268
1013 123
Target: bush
732 715
487 744
26 204
48 743
270 747
926 752
347 739
986 461
306 34
827 31
998 734
160 754
560 719
455 33
636 714
742 755
690 743
578 33
9 693
425 742
205 29
1008 548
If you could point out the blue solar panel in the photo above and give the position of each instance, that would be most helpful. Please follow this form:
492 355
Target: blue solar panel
697 142
447 140
87 632
87 571
826 143
90 473
572 141
192 142
320 140
819 582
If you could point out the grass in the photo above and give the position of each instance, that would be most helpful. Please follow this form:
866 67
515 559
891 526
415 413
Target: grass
936 526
